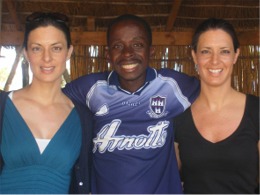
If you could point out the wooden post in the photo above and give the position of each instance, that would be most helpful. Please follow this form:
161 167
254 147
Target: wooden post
25 72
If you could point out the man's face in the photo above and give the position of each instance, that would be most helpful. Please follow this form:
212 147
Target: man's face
129 52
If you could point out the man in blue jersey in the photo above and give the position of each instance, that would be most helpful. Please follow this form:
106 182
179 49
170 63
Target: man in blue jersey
133 107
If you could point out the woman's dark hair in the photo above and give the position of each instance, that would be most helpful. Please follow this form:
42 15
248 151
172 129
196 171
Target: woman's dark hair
214 24
131 17
41 19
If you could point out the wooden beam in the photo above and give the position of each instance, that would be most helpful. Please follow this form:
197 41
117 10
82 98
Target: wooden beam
12 11
11 38
91 23
159 38
88 38
173 14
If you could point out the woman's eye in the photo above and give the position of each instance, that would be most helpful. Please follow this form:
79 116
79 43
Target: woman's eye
204 52
56 49
225 52
36 49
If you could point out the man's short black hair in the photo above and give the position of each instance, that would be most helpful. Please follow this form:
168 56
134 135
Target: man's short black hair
132 17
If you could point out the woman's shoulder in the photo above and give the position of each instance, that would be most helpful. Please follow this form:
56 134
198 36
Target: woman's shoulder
252 103
252 99
179 119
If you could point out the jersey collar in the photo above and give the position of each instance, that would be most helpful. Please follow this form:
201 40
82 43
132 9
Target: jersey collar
151 74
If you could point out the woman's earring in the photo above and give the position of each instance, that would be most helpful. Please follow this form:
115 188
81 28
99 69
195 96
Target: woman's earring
196 68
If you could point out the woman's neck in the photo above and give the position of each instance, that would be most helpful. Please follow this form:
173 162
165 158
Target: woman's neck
216 97
45 93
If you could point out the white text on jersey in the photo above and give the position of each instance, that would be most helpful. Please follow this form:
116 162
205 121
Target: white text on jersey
107 140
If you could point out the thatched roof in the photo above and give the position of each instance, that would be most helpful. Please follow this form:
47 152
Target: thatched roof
162 15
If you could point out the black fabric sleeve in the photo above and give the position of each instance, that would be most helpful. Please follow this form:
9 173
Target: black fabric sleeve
3 96
253 105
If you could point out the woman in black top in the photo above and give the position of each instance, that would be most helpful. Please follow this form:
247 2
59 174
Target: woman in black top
217 138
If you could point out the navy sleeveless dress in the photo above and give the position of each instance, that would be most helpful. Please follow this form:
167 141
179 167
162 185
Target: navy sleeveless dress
25 169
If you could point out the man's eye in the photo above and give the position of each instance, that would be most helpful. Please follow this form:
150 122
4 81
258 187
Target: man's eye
117 46
138 45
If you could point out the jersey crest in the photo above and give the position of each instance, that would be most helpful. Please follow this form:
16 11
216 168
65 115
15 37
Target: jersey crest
157 107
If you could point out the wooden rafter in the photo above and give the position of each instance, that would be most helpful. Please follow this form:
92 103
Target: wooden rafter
159 38
91 23
12 11
173 14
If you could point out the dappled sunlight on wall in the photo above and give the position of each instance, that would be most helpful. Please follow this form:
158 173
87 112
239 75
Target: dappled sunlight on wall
6 61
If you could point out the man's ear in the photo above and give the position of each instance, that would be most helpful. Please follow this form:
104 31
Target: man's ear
107 54
152 51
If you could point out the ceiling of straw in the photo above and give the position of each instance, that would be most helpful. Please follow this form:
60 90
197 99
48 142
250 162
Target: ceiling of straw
162 15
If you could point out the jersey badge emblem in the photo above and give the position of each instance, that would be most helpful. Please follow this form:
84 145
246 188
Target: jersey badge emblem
157 107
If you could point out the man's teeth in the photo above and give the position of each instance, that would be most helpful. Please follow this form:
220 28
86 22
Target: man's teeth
129 66
215 70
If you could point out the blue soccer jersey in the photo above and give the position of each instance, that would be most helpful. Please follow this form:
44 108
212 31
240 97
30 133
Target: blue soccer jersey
133 143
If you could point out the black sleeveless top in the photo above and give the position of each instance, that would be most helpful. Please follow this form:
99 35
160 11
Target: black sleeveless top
227 167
